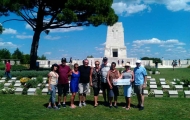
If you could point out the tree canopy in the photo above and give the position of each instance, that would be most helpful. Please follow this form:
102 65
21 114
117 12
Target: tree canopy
154 59
43 15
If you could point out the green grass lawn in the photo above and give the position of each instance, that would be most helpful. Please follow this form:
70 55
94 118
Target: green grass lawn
23 107
34 108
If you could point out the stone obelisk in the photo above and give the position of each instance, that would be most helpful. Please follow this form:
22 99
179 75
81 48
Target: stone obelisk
115 46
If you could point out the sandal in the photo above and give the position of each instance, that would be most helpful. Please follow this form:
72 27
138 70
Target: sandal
128 108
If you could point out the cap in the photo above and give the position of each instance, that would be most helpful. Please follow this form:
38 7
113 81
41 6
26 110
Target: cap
63 59
105 59
127 64
138 61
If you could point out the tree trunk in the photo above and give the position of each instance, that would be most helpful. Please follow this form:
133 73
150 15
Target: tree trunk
34 49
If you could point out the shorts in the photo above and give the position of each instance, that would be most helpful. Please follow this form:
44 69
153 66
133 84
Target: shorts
104 86
114 92
63 89
83 88
138 89
96 91
127 90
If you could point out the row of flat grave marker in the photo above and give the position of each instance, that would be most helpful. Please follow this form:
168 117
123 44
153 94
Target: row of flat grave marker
172 93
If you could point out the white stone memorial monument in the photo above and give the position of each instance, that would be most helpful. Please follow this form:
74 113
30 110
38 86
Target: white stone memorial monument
115 46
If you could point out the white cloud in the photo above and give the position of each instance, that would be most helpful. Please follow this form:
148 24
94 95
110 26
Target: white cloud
99 49
24 36
128 7
9 31
8 45
103 44
27 26
123 8
47 53
61 50
61 30
158 42
48 37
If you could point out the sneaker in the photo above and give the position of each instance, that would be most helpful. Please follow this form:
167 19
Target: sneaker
59 106
115 106
56 108
141 108
80 105
110 106
64 105
49 107
84 104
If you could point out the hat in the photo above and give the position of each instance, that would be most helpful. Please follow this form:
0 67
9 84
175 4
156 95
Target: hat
63 59
127 64
105 59
138 61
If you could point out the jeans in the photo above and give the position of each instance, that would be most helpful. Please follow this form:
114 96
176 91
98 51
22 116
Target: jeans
52 94
8 74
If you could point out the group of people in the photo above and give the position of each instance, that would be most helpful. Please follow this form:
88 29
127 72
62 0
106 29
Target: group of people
100 77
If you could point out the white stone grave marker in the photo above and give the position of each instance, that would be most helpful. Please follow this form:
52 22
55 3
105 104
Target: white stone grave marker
6 85
165 87
179 87
187 94
145 93
158 93
31 91
2 81
152 83
162 79
18 91
17 85
163 83
173 93
44 91
153 87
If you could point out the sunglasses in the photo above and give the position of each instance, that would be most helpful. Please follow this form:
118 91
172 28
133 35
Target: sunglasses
96 64
75 67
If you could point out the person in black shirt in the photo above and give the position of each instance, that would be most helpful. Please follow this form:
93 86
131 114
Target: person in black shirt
84 82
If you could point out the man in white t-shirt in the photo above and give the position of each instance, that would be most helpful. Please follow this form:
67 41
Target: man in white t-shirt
105 67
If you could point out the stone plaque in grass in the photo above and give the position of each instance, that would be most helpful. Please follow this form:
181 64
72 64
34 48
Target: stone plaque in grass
152 83
189 87
18 91
152 80
45 78
6 85
162 79
145 93
148 77
179 87
173 93
47 85
44 81
10 81
158 93
173 83
165 87
39 85
17 81
163 83
2 81
182 83
17 85
153 87
3 78
187 94
13 78
44 91
31 91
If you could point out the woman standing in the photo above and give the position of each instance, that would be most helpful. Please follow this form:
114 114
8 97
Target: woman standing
95 80
74 84
52 78
113 74
127 74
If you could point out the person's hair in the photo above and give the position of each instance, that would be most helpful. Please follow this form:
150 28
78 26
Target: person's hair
85 60
54 65
113 63
96 61
75 65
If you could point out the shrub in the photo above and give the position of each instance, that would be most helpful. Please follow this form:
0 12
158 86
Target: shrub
148 67
24 92
18 67
31 84
186 82
39 79
188 66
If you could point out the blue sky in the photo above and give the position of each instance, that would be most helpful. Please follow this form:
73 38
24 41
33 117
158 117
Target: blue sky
152 28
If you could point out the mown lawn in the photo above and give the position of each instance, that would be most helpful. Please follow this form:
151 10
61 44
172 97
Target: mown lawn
22 107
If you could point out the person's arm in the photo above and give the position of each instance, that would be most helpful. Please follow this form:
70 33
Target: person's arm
108 80
91 70
49 81
132 73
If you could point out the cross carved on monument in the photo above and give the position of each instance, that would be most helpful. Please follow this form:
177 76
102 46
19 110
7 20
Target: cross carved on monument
115 33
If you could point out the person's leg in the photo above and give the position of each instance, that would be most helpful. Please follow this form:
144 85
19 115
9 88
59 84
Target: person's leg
80 94
50 99
103 91
128 102
65 90
53 95
60 92
72 100
142 100
111 95
95 96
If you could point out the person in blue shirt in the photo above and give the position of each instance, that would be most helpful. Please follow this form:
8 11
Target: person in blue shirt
140 77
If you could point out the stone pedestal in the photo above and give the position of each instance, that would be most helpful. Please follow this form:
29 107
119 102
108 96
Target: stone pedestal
179 87
165 87
187 94
18 91
158 93
44 91
145 93
153 87
173 93
31 91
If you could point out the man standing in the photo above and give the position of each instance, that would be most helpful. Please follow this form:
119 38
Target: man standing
140 77
63 82
84 82
105 67
8 69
